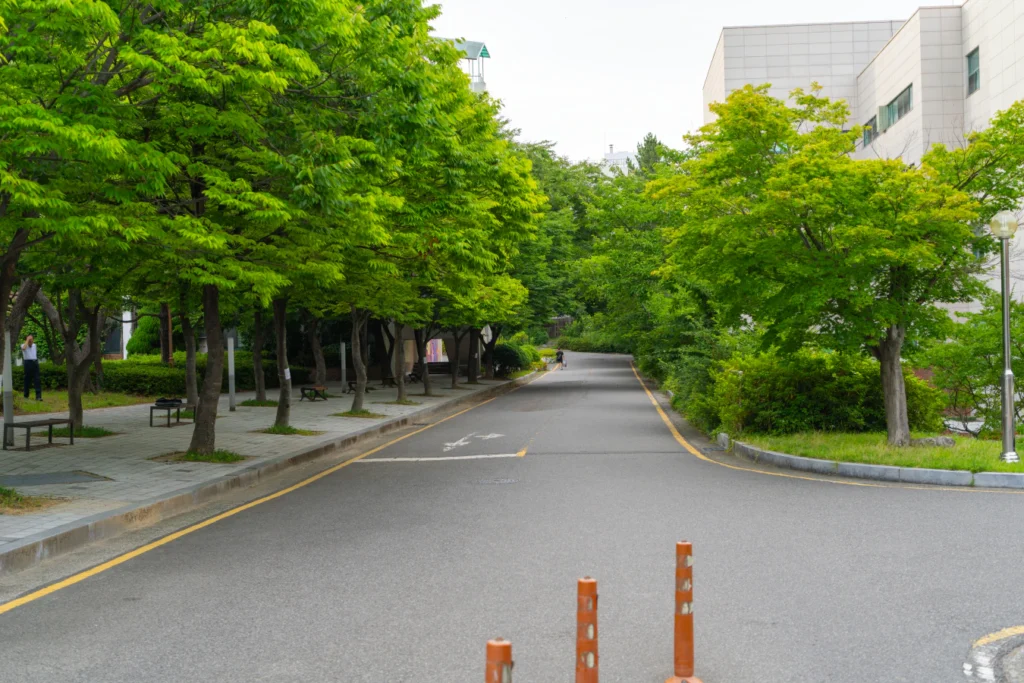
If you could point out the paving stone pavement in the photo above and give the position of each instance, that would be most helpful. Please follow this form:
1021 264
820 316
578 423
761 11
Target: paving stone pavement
128 473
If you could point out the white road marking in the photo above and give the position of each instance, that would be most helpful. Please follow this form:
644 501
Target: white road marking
442 458
488 437
464 441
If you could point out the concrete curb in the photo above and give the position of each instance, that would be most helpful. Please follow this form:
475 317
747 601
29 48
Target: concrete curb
985 662
33 549
906 475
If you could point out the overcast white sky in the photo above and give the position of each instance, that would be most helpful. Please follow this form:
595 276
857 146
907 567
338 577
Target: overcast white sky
589 73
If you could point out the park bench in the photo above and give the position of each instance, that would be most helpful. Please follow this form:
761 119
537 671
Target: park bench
313 392
352 386
170 408
29 425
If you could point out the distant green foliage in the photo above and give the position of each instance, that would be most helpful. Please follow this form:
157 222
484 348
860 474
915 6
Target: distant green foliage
510 358
218 456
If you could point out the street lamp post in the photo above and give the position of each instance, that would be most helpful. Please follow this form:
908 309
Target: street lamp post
1004 226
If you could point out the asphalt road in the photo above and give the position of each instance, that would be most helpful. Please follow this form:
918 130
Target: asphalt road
400 571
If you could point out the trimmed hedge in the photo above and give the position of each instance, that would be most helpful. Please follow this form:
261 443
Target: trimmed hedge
145 376
510 358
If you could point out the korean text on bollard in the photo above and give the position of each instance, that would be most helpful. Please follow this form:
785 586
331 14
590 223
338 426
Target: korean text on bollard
684 615
586 631
499 661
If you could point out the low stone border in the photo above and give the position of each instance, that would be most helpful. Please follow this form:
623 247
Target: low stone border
997 660
906 475
34 549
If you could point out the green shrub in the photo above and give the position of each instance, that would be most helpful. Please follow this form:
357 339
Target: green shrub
510 358
146 337
810 391
594 342
546 353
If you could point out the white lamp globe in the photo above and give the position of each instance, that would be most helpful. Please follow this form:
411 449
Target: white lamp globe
1004 225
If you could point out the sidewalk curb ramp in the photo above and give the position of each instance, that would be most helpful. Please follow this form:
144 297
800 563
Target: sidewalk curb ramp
904 475
32 550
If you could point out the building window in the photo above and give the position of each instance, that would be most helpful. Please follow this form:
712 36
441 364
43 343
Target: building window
897 109
974 72
871 131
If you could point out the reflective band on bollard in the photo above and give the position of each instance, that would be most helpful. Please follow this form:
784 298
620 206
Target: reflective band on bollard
586 631
684 664
499 661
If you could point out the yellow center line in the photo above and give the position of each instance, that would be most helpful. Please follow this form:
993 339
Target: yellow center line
141 550
686 444
999 635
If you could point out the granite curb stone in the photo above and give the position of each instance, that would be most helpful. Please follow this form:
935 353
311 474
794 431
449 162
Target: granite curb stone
907 475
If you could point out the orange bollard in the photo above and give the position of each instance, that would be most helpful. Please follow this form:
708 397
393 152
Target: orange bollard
586 631
684 615
499 661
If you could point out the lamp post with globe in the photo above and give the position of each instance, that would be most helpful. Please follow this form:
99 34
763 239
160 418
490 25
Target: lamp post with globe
1004 226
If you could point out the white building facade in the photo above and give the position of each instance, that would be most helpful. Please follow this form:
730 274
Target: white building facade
931 79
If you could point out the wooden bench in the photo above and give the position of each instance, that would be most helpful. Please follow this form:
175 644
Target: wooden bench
313 392
32 424
170 408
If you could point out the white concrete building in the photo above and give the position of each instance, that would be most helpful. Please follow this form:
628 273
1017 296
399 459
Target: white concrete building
933 78
616 161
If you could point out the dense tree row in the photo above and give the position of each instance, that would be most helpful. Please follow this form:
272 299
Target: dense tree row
235 163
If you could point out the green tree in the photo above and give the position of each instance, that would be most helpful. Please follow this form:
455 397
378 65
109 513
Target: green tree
783 226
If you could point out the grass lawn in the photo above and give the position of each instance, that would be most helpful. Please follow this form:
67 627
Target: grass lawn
80 432
290 431
57 402
361 413
975 455
398 403
14 503
253 403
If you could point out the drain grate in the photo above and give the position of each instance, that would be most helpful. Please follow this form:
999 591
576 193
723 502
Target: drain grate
496 482
76 477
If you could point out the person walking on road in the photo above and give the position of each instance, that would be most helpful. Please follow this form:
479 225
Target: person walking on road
560 357
30 356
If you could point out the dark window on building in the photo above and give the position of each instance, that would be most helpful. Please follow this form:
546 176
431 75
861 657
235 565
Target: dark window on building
974 71
871 131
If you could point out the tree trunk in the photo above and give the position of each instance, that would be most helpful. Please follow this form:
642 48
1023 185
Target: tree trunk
191 380
474 357
359 319
8 271
453 357
19 309
204 432
284 373
422 337
313 331
165 334
894 387
257 356
399 346
387 341
489 350
79 357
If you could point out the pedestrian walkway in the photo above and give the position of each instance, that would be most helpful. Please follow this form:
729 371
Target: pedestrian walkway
105 474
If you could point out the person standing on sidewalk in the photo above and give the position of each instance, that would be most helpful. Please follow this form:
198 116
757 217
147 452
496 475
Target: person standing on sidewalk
31 358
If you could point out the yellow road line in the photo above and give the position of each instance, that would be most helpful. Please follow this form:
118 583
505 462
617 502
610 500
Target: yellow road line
121 559
999 635
686 444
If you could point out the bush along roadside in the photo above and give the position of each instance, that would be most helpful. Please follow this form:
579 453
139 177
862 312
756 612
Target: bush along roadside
146 376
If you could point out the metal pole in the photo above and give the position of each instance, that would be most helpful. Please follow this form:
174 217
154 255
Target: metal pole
1009 413
231 374
8 389
344 373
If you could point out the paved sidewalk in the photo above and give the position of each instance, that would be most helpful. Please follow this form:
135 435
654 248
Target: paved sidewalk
113 472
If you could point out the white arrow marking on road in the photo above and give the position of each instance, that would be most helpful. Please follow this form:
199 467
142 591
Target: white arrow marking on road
487 437
464 441
441 459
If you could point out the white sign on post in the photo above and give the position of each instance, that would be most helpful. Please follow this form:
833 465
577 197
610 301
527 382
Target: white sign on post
288 374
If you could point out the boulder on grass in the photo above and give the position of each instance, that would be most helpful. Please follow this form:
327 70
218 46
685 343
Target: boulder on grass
934 442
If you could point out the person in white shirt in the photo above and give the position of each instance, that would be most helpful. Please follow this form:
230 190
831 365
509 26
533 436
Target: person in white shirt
31 358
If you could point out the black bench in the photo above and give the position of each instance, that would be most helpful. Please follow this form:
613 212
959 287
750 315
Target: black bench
170 408
352 386
313 392
32 424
